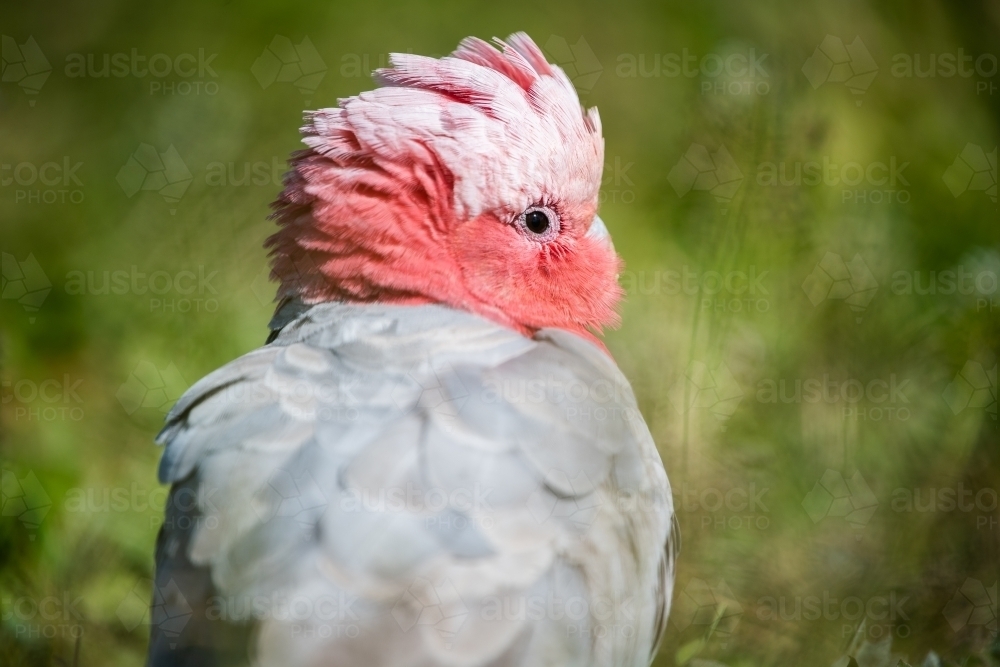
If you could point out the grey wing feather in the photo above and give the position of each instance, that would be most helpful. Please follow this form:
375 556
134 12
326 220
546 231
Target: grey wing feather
182 592
409 486
665 584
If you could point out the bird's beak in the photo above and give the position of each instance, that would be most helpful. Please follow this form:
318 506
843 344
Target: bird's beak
599 231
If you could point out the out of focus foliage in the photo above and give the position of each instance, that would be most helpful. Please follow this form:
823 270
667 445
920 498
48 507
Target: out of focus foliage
805 197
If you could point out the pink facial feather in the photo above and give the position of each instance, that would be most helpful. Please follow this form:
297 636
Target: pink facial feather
408 193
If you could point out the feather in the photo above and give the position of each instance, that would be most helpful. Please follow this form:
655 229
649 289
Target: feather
374 487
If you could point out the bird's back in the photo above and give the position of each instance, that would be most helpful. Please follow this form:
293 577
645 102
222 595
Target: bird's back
411 486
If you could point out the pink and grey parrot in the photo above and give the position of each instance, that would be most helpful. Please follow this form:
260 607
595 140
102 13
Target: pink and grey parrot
433 460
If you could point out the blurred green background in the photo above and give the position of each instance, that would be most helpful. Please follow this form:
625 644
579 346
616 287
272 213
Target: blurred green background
812 325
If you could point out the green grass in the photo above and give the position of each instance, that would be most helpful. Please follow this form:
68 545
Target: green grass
775 580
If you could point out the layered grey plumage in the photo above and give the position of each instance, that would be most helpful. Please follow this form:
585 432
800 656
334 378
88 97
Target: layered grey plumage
411 486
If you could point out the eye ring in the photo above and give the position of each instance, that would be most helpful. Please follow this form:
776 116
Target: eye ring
539 223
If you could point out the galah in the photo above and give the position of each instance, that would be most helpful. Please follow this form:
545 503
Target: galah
433 460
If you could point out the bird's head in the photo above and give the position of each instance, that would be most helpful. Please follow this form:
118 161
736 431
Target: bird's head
470 180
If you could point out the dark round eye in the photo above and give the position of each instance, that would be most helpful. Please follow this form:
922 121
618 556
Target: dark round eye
536 221
539 223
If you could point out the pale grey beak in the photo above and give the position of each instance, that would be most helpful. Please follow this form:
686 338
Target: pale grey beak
599 231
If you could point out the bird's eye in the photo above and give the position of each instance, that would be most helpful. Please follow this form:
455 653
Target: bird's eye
536 222
540 223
